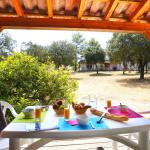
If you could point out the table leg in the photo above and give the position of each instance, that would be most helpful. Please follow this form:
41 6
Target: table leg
143 140
14 144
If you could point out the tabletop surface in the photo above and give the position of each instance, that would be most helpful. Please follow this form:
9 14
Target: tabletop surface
21 130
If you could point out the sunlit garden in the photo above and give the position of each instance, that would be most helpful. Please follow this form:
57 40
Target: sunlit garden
40 75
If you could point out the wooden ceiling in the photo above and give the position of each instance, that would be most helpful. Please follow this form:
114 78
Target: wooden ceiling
106 15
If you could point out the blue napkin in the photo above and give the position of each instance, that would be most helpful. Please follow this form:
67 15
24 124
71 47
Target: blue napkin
63 125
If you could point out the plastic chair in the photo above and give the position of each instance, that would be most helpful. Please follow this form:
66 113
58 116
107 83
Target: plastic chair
32 143
4 143
4 106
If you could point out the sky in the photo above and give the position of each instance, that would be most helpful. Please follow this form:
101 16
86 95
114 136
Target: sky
46 37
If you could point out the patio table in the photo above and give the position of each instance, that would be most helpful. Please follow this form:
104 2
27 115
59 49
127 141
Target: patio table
14 131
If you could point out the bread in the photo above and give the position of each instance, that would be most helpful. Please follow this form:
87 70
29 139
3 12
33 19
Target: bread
109 116
80 108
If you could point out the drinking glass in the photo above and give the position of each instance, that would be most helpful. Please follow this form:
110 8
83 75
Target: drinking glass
108 103
66 113
93 102
37 113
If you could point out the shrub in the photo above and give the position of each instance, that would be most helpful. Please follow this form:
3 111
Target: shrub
23 78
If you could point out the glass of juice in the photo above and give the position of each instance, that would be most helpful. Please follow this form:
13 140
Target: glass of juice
38 113
66 113
108 103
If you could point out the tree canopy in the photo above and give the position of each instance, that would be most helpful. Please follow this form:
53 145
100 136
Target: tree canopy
79 44
134 48
62 53
7 44
94 54
35 50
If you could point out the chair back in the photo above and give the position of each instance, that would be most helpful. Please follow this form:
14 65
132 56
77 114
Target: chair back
3 108
6 106
3 123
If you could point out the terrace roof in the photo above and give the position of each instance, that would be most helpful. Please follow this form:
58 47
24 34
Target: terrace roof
101 15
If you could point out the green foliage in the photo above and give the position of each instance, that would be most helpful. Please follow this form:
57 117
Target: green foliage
35 50
6 44
94 53
62 53
133 48
22 76
79 44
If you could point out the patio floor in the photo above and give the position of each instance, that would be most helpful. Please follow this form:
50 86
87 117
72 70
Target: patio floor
81 144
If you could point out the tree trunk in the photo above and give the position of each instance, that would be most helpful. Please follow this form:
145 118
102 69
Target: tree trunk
146 66
142 71
124 68
75 66
96 68
123 71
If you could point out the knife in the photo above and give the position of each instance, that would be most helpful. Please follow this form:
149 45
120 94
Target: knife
102 116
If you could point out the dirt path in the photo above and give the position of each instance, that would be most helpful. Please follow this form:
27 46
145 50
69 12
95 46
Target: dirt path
126 89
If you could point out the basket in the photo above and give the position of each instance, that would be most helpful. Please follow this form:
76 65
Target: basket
59 111
80 111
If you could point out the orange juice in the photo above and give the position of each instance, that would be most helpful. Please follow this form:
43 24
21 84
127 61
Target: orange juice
38 112
108 103
66 113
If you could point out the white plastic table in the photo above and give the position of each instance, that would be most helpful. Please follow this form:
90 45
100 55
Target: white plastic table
15 131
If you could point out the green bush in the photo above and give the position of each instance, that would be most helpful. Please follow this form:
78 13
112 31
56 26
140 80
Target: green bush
24 81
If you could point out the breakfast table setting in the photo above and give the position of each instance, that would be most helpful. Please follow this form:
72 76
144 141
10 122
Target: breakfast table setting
79 120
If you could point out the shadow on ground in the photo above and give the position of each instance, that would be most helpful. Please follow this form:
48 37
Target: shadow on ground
130 74
100 74
135 82
77 78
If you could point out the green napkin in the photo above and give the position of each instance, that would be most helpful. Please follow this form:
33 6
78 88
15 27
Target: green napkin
20 118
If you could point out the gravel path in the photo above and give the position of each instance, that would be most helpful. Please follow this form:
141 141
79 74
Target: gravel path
126 89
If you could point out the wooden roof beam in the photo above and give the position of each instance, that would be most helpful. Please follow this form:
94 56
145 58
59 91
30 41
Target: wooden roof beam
18 8
1 29
129 2
69 5
113 4
140 10
81 8
147 34
50 8
73 24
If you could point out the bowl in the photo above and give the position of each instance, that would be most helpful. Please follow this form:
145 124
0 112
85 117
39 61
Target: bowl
123 108
28 113
82 119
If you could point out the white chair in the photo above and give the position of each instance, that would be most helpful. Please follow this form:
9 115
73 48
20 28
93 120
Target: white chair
4 143
6 106
31 143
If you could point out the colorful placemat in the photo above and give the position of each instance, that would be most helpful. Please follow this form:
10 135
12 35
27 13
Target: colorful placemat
64 125
20 118
128 112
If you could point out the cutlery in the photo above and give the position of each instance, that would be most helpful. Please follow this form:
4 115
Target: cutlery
102 116
92 125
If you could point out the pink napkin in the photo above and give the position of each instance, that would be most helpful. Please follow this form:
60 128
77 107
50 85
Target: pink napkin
72 122
129 112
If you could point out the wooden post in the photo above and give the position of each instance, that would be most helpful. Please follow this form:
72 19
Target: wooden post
147 35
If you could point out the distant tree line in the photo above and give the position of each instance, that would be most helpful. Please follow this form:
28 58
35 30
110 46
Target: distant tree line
67 53
123 48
